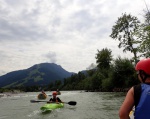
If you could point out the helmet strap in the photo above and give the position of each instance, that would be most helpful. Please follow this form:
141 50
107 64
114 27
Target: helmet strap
143 79
143 76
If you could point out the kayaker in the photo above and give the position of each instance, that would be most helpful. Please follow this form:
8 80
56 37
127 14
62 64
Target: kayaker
58 92
55 98
142 106
43 92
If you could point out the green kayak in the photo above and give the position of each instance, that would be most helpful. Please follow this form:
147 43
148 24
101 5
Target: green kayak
51 106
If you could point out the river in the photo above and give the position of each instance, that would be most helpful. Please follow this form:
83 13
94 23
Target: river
90 105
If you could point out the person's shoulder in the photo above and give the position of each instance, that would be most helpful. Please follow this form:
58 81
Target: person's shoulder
58 98
131 90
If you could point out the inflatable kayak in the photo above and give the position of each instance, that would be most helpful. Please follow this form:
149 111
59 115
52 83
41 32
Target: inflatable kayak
42 96
51 106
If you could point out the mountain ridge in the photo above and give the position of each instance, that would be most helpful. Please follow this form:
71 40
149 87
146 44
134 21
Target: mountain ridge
38 74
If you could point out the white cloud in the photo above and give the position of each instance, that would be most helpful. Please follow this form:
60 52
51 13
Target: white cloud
51 57
66 32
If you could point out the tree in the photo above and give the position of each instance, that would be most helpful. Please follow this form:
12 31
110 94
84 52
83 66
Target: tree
58 83
103 58
125 31
96 81
123 73
145 35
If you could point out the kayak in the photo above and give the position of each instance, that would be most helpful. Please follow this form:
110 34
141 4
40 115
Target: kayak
51 106
42 96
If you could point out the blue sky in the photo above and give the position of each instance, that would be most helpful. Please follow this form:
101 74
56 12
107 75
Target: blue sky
65 32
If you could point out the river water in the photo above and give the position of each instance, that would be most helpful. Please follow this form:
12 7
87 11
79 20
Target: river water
90 105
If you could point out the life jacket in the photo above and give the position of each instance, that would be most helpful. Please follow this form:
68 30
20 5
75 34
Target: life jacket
54 99
142 108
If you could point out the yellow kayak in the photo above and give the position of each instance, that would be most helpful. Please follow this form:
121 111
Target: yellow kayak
42 96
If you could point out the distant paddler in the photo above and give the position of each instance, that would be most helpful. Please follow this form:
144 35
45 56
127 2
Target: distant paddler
58 92
54 103
55 98
42 95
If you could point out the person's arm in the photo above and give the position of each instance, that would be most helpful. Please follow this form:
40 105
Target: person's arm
127 105
50 101
59 99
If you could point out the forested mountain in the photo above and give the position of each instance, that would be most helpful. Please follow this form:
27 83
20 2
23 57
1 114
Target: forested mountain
39 75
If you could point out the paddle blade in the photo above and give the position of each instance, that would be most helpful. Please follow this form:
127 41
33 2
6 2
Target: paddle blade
34 101
72 103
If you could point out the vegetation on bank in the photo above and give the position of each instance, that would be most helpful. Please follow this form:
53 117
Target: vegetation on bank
110 74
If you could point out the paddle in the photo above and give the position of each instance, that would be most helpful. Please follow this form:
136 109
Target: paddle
34 101
70 102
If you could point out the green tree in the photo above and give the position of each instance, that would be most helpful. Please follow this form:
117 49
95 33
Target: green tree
107 84
104 58
50 86
96 81
125 30
147 17
91 72
123 73
87 83
145 35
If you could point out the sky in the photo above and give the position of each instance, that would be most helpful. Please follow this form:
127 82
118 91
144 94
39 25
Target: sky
66 32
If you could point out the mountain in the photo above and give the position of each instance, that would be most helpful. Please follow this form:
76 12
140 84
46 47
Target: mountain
39 74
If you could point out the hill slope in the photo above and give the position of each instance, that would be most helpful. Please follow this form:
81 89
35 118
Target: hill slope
39 74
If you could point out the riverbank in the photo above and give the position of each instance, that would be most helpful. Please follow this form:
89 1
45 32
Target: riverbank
114 90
